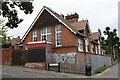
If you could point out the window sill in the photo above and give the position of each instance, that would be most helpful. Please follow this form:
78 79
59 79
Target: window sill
81 51
63 47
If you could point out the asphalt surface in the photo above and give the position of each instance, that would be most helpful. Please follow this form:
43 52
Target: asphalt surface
22 72
109 73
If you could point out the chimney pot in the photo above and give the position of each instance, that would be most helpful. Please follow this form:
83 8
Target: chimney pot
73 17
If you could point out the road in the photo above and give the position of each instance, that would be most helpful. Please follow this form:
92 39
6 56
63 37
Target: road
22 72
109 73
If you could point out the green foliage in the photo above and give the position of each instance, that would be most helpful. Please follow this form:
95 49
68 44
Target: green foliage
10 12
101 69
111 40
3 33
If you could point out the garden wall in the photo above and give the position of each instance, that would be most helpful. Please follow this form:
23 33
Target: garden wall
7 55
99 61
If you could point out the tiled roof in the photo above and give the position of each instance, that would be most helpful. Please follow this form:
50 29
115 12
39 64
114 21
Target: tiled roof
95 35
80 25
65 21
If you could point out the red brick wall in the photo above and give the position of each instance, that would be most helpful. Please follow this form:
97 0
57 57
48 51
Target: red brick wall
27 39
53 36
38 35
65 50
68 38
7 55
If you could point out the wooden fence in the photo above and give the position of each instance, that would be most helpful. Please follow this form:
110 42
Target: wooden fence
19 57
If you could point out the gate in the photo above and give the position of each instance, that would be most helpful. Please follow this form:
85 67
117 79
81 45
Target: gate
19 57
36 55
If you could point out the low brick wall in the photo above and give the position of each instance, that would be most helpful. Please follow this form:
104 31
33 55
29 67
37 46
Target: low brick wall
7 55
37 65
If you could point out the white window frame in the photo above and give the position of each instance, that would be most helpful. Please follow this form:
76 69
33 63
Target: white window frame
80 44
96 50
86 45
99 48
92 47
34 35
58 32
46 34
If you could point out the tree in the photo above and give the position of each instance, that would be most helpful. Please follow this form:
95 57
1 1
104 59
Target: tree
111 41
10 12
3 33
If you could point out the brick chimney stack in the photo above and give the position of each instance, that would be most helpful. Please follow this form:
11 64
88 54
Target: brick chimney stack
72 18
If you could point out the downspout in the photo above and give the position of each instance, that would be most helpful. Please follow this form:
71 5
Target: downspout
85 48
85 51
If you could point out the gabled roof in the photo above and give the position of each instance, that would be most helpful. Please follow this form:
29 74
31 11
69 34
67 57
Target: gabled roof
95 35
80 25
54 14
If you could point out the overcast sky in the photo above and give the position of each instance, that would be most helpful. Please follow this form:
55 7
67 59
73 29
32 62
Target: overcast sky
99 13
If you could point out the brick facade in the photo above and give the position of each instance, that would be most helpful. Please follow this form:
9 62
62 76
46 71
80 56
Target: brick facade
69 39
7 55
71 31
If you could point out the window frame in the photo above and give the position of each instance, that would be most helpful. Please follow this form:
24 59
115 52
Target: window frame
58 32
34 35
86 45
42 33
99 47
92 48
96 49
80 44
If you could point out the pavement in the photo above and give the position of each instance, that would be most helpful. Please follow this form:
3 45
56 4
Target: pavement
111 72
23 72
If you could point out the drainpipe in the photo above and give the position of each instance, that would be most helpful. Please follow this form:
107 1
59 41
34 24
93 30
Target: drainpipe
85 51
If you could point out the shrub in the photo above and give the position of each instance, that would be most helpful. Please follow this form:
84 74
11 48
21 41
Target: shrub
101 69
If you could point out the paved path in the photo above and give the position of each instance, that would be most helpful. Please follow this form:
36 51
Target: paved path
22 72
109 73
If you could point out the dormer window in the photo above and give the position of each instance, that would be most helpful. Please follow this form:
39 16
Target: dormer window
34 35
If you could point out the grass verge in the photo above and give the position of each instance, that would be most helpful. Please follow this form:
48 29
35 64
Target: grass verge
101 69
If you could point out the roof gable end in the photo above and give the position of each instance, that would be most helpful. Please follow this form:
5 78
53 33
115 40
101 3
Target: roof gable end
54 14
